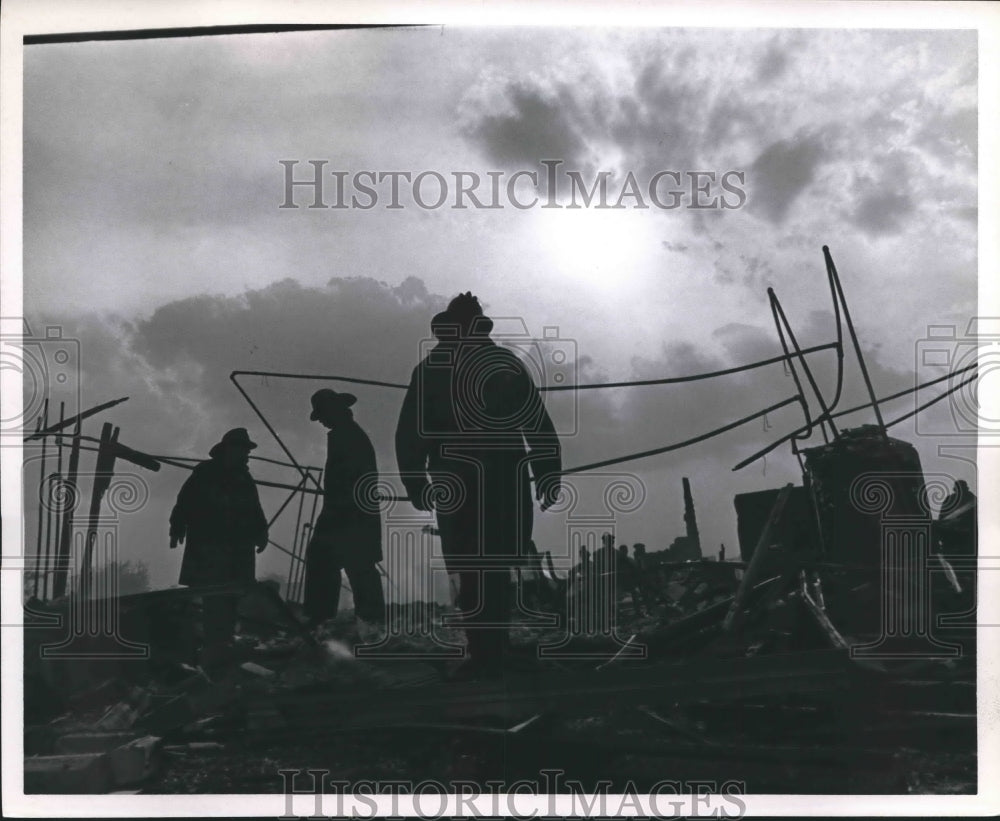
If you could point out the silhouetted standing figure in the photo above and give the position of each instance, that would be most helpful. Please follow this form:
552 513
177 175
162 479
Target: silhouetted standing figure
218 512
474 421
628 577
348 531
956 525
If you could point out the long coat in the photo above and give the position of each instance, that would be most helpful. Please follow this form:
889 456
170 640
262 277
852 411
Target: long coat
350 523
473 419
218 512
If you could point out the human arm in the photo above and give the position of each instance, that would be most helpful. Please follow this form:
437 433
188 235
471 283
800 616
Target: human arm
412 447
544 447
181 515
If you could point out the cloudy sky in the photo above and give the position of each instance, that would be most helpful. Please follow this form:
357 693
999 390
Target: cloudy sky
153 233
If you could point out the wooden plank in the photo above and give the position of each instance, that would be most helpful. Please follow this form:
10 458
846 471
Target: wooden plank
734 618
88 773
705 679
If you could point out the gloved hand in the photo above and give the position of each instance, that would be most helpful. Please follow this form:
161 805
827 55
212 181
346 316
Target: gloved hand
420 496
548 490
176 537
261 543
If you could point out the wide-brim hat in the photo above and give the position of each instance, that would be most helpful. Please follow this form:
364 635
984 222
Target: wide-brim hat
463 317
235 438
327 398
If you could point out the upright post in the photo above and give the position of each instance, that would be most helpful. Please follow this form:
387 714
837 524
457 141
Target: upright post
102 480
690 520
61 569
42 422
832 270
50 497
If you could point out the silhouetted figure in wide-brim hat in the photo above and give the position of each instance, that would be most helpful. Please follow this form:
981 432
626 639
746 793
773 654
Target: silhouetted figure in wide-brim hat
218 514
473 422
348 532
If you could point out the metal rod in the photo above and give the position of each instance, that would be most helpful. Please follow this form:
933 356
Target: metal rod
48 513
280 547
309 527
777 443
291 561
302 565
176 461
268 425
840 340
42 421
791 365
934 401
686 442
65 423
832 269
298 524
285 503
50 549
584 387
635 383
66 536
323 377
102 479
260 482
825 416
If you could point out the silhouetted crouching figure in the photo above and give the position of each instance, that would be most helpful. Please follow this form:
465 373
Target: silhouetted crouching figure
473 420
348 532
218 513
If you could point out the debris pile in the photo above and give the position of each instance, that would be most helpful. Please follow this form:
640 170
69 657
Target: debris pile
775 667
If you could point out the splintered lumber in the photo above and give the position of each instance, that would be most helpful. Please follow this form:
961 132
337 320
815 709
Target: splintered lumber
72 420
186 708
695 630
690 520
734 618
135 761
303 713
831 632
92 742
68 774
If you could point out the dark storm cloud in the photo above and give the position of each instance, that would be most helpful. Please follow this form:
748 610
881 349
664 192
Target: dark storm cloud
883 199
660 122
157 164
782 171
751 271
175 367
784 107
772 64
537 126
882 212
353 327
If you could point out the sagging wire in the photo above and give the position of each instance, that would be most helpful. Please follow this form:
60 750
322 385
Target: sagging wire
882 400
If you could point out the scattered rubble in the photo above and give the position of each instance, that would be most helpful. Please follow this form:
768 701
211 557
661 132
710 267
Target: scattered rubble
706 665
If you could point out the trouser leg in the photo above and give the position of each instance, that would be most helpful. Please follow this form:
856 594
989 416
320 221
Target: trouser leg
322 585
366 584
219 619
485 597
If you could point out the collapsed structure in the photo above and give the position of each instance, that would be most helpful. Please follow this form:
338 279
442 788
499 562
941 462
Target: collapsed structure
847 623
